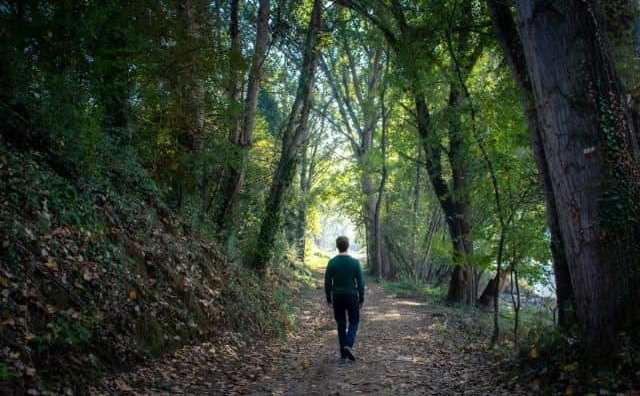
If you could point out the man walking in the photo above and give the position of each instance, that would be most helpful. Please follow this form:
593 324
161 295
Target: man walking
344 286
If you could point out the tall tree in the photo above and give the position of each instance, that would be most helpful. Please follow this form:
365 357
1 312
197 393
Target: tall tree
311 157
507 34
243 123
111 52
293 136
594 159
192 12
383 267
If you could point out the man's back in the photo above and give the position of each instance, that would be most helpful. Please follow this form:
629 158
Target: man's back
344 276
344 287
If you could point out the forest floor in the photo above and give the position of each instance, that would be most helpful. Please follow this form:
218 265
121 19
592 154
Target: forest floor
404 347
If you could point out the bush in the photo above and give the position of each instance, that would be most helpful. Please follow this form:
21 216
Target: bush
412 288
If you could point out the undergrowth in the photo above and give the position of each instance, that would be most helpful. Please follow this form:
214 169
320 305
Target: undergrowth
547 359
557 361
97 274
408 287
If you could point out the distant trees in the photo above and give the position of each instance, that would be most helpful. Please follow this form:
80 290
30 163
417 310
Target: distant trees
409 41
309 159
354 73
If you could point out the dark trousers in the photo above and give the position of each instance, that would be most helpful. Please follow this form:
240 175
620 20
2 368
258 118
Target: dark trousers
343 305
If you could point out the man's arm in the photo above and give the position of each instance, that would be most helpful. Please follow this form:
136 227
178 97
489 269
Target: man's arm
328 279
360 283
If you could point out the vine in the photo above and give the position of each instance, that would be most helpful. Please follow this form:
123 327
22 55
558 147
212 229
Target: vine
620 201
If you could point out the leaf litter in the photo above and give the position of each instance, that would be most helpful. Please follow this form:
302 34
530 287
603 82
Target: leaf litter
399 350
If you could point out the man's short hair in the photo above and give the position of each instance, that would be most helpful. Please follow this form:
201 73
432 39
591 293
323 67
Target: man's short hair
342 243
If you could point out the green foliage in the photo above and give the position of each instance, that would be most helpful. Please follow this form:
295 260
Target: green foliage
63 333
262 309
116 218
622 31
271 112
412 288
318 260
5 372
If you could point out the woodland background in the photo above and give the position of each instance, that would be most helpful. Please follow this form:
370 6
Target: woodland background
169 169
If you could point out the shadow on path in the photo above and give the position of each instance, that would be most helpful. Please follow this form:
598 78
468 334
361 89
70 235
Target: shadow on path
405 347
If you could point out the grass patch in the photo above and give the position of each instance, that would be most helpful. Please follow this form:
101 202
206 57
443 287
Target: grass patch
407 287
532 319
317 260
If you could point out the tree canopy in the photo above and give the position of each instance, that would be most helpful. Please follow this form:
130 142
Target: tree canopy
474 146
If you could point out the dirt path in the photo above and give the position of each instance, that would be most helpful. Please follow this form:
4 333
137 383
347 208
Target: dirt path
405 347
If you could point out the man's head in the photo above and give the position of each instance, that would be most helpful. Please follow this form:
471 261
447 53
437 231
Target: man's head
342 243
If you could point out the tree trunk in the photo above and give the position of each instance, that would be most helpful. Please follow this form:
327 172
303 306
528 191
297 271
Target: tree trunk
193 92
460 191
637 33
414 221
461 282
434 225
487 296
592 153
235 69
515 298
507 35
366 143
194 86
234 84
301 223
293 136
496 287
635 94
114 80
306 172
369 214
381 257
243 126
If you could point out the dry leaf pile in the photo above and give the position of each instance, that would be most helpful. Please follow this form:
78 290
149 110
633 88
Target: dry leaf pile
93 280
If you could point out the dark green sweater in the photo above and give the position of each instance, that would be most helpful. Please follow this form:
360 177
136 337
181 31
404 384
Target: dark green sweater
344 276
